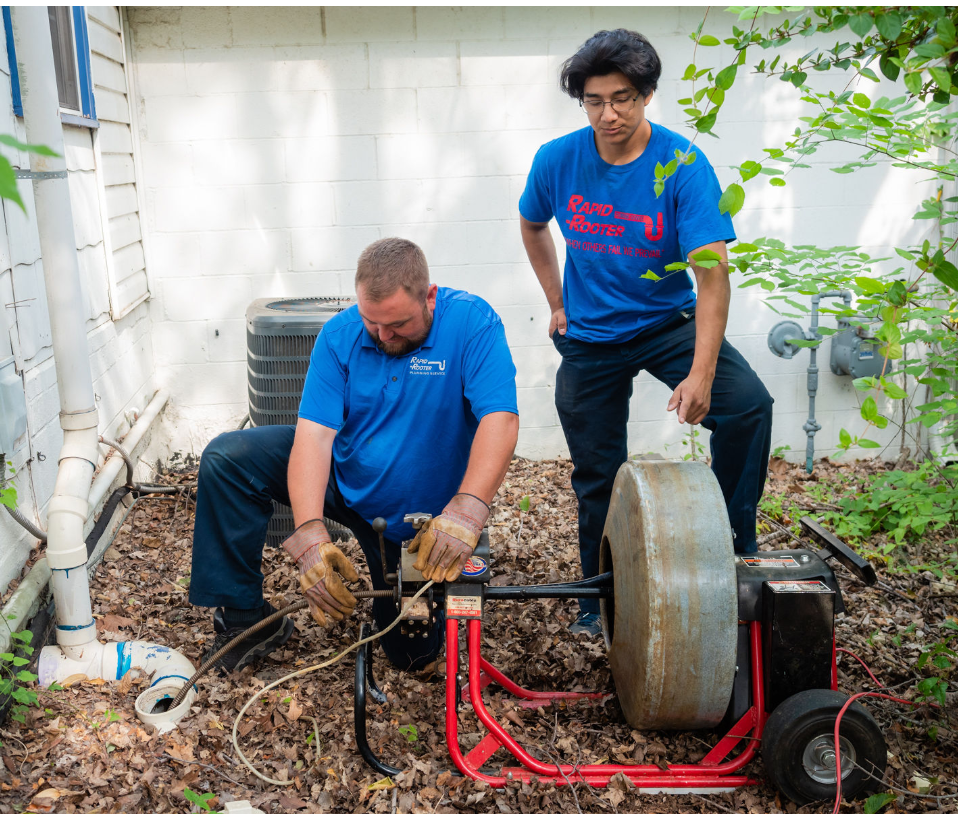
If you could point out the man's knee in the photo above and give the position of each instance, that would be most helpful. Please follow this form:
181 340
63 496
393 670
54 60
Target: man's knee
223 451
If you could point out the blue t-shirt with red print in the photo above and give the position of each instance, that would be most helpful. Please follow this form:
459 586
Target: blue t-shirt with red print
616 230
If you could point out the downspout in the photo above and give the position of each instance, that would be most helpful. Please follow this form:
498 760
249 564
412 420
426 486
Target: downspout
77 651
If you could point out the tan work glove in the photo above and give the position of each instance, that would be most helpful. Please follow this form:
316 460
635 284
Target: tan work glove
444 544
321 564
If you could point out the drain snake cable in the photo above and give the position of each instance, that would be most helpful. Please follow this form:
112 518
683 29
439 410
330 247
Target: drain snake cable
298 605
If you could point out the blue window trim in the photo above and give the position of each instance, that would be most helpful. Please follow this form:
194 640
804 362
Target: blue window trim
12 60
81 43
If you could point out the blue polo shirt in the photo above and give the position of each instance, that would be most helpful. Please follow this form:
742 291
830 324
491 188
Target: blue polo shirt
406 424
616 230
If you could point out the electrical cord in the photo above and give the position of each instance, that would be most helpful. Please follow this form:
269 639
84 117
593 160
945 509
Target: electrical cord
838 720
313 668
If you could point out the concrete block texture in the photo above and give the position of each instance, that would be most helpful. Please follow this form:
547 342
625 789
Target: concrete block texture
504 63
369 23
419 65
276 25
459 23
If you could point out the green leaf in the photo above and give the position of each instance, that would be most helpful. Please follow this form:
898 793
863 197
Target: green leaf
726 77
777 182
749 170
861 24
862 101
743 247
651 276
689 159
708 39
26 677
888 25
865 383
889 68
894 391
8 184
732 199
913 82
946 272
689 72
844 439
676 265
705 123
870 285
869 409
524 503
946 30
941 77
40 150
863 443
798 78
877 802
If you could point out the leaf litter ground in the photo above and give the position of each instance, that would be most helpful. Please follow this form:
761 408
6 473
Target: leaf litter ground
85 751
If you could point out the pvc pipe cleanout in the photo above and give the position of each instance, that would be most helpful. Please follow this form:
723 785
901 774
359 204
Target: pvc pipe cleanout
78 651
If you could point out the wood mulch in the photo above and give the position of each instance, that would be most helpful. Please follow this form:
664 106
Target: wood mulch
84 750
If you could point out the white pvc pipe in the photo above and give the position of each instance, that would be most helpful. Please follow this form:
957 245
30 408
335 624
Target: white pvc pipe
69 505
78 652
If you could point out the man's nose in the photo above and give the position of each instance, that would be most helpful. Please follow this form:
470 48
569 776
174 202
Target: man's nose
386 334
609 114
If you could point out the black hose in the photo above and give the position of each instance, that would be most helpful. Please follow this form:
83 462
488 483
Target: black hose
106 516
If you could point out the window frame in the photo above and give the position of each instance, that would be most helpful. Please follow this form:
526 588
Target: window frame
86 116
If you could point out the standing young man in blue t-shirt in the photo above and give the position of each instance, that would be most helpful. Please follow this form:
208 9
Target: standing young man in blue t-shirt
611 318
409 406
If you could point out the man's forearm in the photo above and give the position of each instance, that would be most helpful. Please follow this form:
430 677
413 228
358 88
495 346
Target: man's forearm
308 471
711 316
545 263
490 455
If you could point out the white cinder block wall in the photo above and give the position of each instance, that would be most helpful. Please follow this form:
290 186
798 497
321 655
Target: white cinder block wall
103 198
277 143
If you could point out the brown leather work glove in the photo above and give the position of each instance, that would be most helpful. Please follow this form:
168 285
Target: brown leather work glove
444 544
321 564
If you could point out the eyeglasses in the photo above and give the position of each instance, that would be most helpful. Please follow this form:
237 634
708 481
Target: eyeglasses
621 105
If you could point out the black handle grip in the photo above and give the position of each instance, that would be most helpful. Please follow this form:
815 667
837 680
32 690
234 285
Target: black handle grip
837 548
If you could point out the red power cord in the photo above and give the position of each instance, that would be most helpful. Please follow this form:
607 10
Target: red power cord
838 720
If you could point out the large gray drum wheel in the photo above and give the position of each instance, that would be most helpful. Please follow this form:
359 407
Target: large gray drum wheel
671 625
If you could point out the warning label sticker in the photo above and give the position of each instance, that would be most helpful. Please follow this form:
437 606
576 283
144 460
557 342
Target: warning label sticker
769 561
464 606
813 586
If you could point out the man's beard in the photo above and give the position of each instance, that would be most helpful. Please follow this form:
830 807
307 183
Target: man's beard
398 348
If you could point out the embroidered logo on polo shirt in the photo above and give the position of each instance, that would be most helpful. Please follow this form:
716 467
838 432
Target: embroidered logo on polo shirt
419 365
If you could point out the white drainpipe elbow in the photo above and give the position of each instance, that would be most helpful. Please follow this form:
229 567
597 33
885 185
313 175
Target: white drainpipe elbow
167 669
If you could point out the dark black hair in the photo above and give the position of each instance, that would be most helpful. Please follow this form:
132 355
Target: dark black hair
607 52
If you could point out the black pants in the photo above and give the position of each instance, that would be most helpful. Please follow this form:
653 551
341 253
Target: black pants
240 473
593 388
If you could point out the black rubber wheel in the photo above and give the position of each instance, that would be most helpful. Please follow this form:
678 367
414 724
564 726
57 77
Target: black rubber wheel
798 747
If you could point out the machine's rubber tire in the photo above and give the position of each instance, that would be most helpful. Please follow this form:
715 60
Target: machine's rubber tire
801 730
671 625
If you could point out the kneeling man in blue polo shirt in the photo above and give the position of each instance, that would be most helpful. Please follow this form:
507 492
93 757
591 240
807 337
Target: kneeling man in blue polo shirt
409 406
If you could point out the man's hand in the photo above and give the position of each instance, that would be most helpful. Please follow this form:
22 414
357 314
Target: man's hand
692 397
444 544
321 564
558 321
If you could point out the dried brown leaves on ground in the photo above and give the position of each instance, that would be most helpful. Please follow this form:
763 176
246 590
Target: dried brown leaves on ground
85 751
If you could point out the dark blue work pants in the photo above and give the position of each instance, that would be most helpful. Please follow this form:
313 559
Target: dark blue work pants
240 473
593 388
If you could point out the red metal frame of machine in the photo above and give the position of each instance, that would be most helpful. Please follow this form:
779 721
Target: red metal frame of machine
714 771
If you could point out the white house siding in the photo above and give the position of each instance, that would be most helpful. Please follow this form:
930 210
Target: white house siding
277 143
121 350
127 266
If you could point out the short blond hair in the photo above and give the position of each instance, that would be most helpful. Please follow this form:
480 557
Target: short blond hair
389 264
